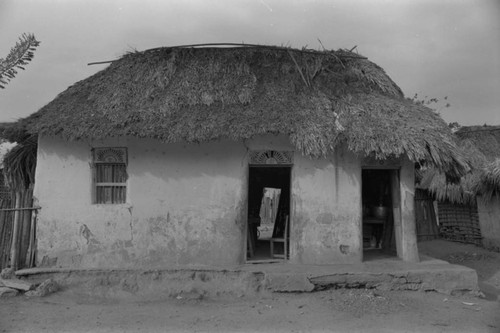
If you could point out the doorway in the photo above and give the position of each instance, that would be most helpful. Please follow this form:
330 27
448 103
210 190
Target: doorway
378 221
268 212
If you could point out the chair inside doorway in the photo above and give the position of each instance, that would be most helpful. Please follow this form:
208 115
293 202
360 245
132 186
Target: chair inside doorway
378 222
268 213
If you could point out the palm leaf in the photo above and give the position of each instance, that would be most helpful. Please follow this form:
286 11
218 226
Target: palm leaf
19 56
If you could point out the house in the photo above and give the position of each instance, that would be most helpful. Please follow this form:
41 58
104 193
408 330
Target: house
164 158
469 210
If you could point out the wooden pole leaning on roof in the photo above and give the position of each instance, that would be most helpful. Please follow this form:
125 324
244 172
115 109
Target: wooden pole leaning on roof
243 45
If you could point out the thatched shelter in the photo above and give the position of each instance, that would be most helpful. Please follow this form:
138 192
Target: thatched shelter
479 190
203 124
481 146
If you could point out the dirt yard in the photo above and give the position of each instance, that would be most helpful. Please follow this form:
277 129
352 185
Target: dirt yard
348 310
486 263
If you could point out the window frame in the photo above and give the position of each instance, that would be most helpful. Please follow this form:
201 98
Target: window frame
103 156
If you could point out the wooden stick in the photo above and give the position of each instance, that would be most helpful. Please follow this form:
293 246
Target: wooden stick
5 233
300 70
256 46
32 241
25 228
14 251
18 209
237 44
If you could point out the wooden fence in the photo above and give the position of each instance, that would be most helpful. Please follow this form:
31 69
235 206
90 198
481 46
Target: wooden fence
18 230
425 216
459 223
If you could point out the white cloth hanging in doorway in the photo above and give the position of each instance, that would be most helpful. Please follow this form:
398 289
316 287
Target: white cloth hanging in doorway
269 205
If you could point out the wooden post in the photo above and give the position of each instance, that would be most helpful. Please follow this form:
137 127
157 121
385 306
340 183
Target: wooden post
5 233
25 228
14 252
31 257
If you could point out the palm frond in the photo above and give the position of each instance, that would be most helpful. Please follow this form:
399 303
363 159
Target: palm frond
19 56
481 147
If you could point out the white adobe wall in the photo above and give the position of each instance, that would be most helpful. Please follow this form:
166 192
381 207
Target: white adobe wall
187 205
184 205
489 222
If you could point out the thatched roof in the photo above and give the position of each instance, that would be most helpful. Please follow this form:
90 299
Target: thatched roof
481 145
5 146
18 151
3 127
318 98
13 132
20 164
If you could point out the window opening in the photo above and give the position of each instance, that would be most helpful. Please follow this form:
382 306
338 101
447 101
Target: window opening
110 175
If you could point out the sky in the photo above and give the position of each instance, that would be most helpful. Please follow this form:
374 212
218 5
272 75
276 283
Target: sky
436 49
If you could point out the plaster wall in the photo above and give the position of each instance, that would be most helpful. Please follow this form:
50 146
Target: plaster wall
325 225
489 221
327 210
409 248
403 196
186 205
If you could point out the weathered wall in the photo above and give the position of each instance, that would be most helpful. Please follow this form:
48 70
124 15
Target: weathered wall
403 202
489 221
409 249
326 206
327 210
186 204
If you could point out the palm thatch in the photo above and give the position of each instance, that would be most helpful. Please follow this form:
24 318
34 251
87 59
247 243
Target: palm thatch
320 99
13 132
19 165
4 127
481 145
489 183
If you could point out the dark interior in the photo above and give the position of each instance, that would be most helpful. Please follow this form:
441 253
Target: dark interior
261 177
378 222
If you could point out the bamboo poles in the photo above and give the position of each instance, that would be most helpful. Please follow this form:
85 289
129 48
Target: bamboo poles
5 232
18 231
25 226
31 258
14 251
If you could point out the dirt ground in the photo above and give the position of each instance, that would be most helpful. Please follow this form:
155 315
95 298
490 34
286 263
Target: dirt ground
486 263
347 310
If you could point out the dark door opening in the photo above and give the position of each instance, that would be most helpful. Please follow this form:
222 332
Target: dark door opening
268 211
378 221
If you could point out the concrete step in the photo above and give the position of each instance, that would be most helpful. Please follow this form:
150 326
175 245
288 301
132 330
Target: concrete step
255 280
